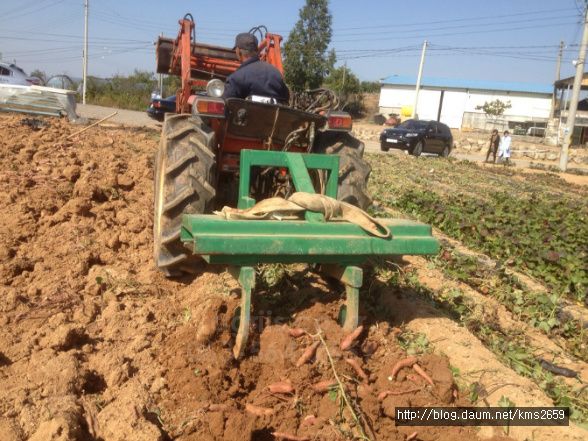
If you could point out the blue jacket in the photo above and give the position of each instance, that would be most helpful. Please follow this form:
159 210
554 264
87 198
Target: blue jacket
256 77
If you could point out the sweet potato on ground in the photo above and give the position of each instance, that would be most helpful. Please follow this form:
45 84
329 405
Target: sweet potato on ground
281 387
308 354
405 362
348 341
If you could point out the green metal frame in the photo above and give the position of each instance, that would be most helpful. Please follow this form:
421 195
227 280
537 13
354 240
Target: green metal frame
248 242
340 247
298 166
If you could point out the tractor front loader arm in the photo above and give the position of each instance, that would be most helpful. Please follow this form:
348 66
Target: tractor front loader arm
194 63
197 63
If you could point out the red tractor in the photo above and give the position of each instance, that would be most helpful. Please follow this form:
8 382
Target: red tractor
197 165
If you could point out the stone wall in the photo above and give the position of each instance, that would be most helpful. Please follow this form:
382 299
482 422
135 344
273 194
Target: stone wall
476 142
367 132
522 147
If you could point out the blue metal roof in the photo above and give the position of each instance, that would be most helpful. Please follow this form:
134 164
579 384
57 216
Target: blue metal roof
454 83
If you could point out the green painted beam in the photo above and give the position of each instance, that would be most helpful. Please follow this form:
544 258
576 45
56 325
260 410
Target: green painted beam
244 242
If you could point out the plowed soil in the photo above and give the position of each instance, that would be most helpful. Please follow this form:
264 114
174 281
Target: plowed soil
95 344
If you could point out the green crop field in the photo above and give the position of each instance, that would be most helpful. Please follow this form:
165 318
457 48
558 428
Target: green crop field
534 222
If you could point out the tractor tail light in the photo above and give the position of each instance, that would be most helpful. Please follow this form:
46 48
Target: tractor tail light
340 121
214 107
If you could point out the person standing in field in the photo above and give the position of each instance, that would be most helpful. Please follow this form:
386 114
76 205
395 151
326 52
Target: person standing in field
493 147
504 148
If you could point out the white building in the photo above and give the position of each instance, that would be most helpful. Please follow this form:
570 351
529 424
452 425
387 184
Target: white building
454 102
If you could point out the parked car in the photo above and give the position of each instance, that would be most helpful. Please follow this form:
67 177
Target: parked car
160 106
418 136
12 74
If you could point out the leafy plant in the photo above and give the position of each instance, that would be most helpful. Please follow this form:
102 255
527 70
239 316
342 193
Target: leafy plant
495 108
128 92
505 402
274 274
306 61
370 86
38 73
540 310
346 85
414 343
540 229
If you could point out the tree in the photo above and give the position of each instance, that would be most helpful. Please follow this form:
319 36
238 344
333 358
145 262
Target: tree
370 86
345 84
494 109
37 73
306 61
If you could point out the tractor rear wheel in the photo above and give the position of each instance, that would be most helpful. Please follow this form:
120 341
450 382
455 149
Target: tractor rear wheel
354 171
185 179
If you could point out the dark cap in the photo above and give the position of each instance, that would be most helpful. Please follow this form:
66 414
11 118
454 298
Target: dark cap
246 41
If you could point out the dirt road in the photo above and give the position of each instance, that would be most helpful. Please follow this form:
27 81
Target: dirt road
129 118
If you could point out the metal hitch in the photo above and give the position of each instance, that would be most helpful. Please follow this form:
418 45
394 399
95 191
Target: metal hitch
339 247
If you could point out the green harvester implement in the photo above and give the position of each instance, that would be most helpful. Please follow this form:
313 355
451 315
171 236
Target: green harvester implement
339 247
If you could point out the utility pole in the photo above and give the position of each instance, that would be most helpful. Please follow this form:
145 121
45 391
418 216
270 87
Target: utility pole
161 79
418 83
571 120
557 76
558 65
85 65
342 93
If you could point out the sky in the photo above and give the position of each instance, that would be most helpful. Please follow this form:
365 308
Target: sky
499 40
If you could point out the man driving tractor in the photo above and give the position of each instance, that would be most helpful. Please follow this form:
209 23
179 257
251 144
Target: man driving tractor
254 77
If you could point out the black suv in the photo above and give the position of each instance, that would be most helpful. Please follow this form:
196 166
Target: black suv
417 137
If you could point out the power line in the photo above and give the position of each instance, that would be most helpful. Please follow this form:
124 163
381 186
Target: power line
476 25
21 8
513 52
35 10
70 36
147 25
510 29
93 55
76 48
526 13
443 47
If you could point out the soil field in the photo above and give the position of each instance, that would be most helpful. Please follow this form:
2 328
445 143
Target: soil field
96 345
